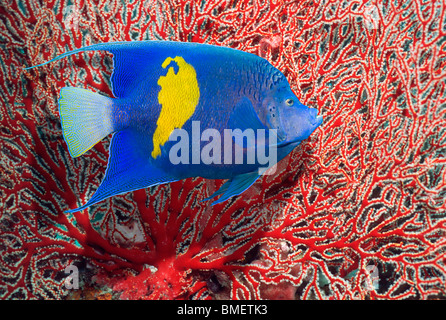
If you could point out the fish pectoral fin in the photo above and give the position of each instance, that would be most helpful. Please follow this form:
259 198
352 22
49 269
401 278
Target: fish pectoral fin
235 186
243 116
220 191
128 169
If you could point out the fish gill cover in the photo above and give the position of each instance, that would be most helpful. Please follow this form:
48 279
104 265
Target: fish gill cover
357 211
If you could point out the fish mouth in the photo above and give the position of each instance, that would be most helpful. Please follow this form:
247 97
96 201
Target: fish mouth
317 121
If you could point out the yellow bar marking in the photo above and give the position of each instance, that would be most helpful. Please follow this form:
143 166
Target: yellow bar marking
178 97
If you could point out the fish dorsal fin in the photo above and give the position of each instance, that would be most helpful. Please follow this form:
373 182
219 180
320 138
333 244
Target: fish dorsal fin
130 67
133 63
128 169
130 61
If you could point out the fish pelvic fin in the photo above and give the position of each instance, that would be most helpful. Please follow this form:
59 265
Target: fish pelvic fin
86 118
234 187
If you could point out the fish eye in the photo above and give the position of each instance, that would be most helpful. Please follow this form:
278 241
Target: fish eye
289 102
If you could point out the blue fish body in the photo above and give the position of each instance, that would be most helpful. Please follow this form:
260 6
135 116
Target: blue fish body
174 104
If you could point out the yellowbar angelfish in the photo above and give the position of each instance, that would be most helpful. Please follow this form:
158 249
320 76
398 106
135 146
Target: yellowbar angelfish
185 110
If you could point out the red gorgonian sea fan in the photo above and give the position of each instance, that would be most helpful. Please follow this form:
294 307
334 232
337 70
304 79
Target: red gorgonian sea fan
357 211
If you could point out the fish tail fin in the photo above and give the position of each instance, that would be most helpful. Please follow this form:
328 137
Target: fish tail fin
86 118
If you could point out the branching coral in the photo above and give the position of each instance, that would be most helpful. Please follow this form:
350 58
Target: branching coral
355 212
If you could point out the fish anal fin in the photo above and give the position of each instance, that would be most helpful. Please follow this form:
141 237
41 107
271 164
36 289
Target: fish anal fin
128 169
